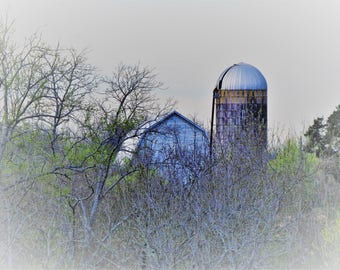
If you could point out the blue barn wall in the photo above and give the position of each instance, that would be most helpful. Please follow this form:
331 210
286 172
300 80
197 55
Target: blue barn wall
174 143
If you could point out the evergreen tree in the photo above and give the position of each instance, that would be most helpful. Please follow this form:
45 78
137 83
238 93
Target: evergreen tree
315 137
323 138
332 136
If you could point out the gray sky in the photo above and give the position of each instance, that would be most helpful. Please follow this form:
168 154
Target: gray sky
295 44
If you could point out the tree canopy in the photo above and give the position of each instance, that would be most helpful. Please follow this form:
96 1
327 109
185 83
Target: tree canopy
323 137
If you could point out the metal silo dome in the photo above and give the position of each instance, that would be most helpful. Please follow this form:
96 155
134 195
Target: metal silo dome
241 76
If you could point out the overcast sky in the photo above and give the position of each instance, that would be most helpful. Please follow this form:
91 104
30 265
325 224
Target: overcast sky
295 44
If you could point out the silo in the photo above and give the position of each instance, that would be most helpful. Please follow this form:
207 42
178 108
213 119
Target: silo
240 97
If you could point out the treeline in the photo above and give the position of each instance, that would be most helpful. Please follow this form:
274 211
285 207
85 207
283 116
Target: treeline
67 202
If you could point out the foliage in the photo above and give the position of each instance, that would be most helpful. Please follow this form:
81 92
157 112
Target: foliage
292 159
323 138
315 135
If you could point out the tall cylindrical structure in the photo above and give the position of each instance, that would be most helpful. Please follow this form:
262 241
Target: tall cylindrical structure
240 96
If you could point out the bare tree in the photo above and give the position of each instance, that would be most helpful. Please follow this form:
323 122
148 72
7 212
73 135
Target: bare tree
39 84
22 79
119 113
